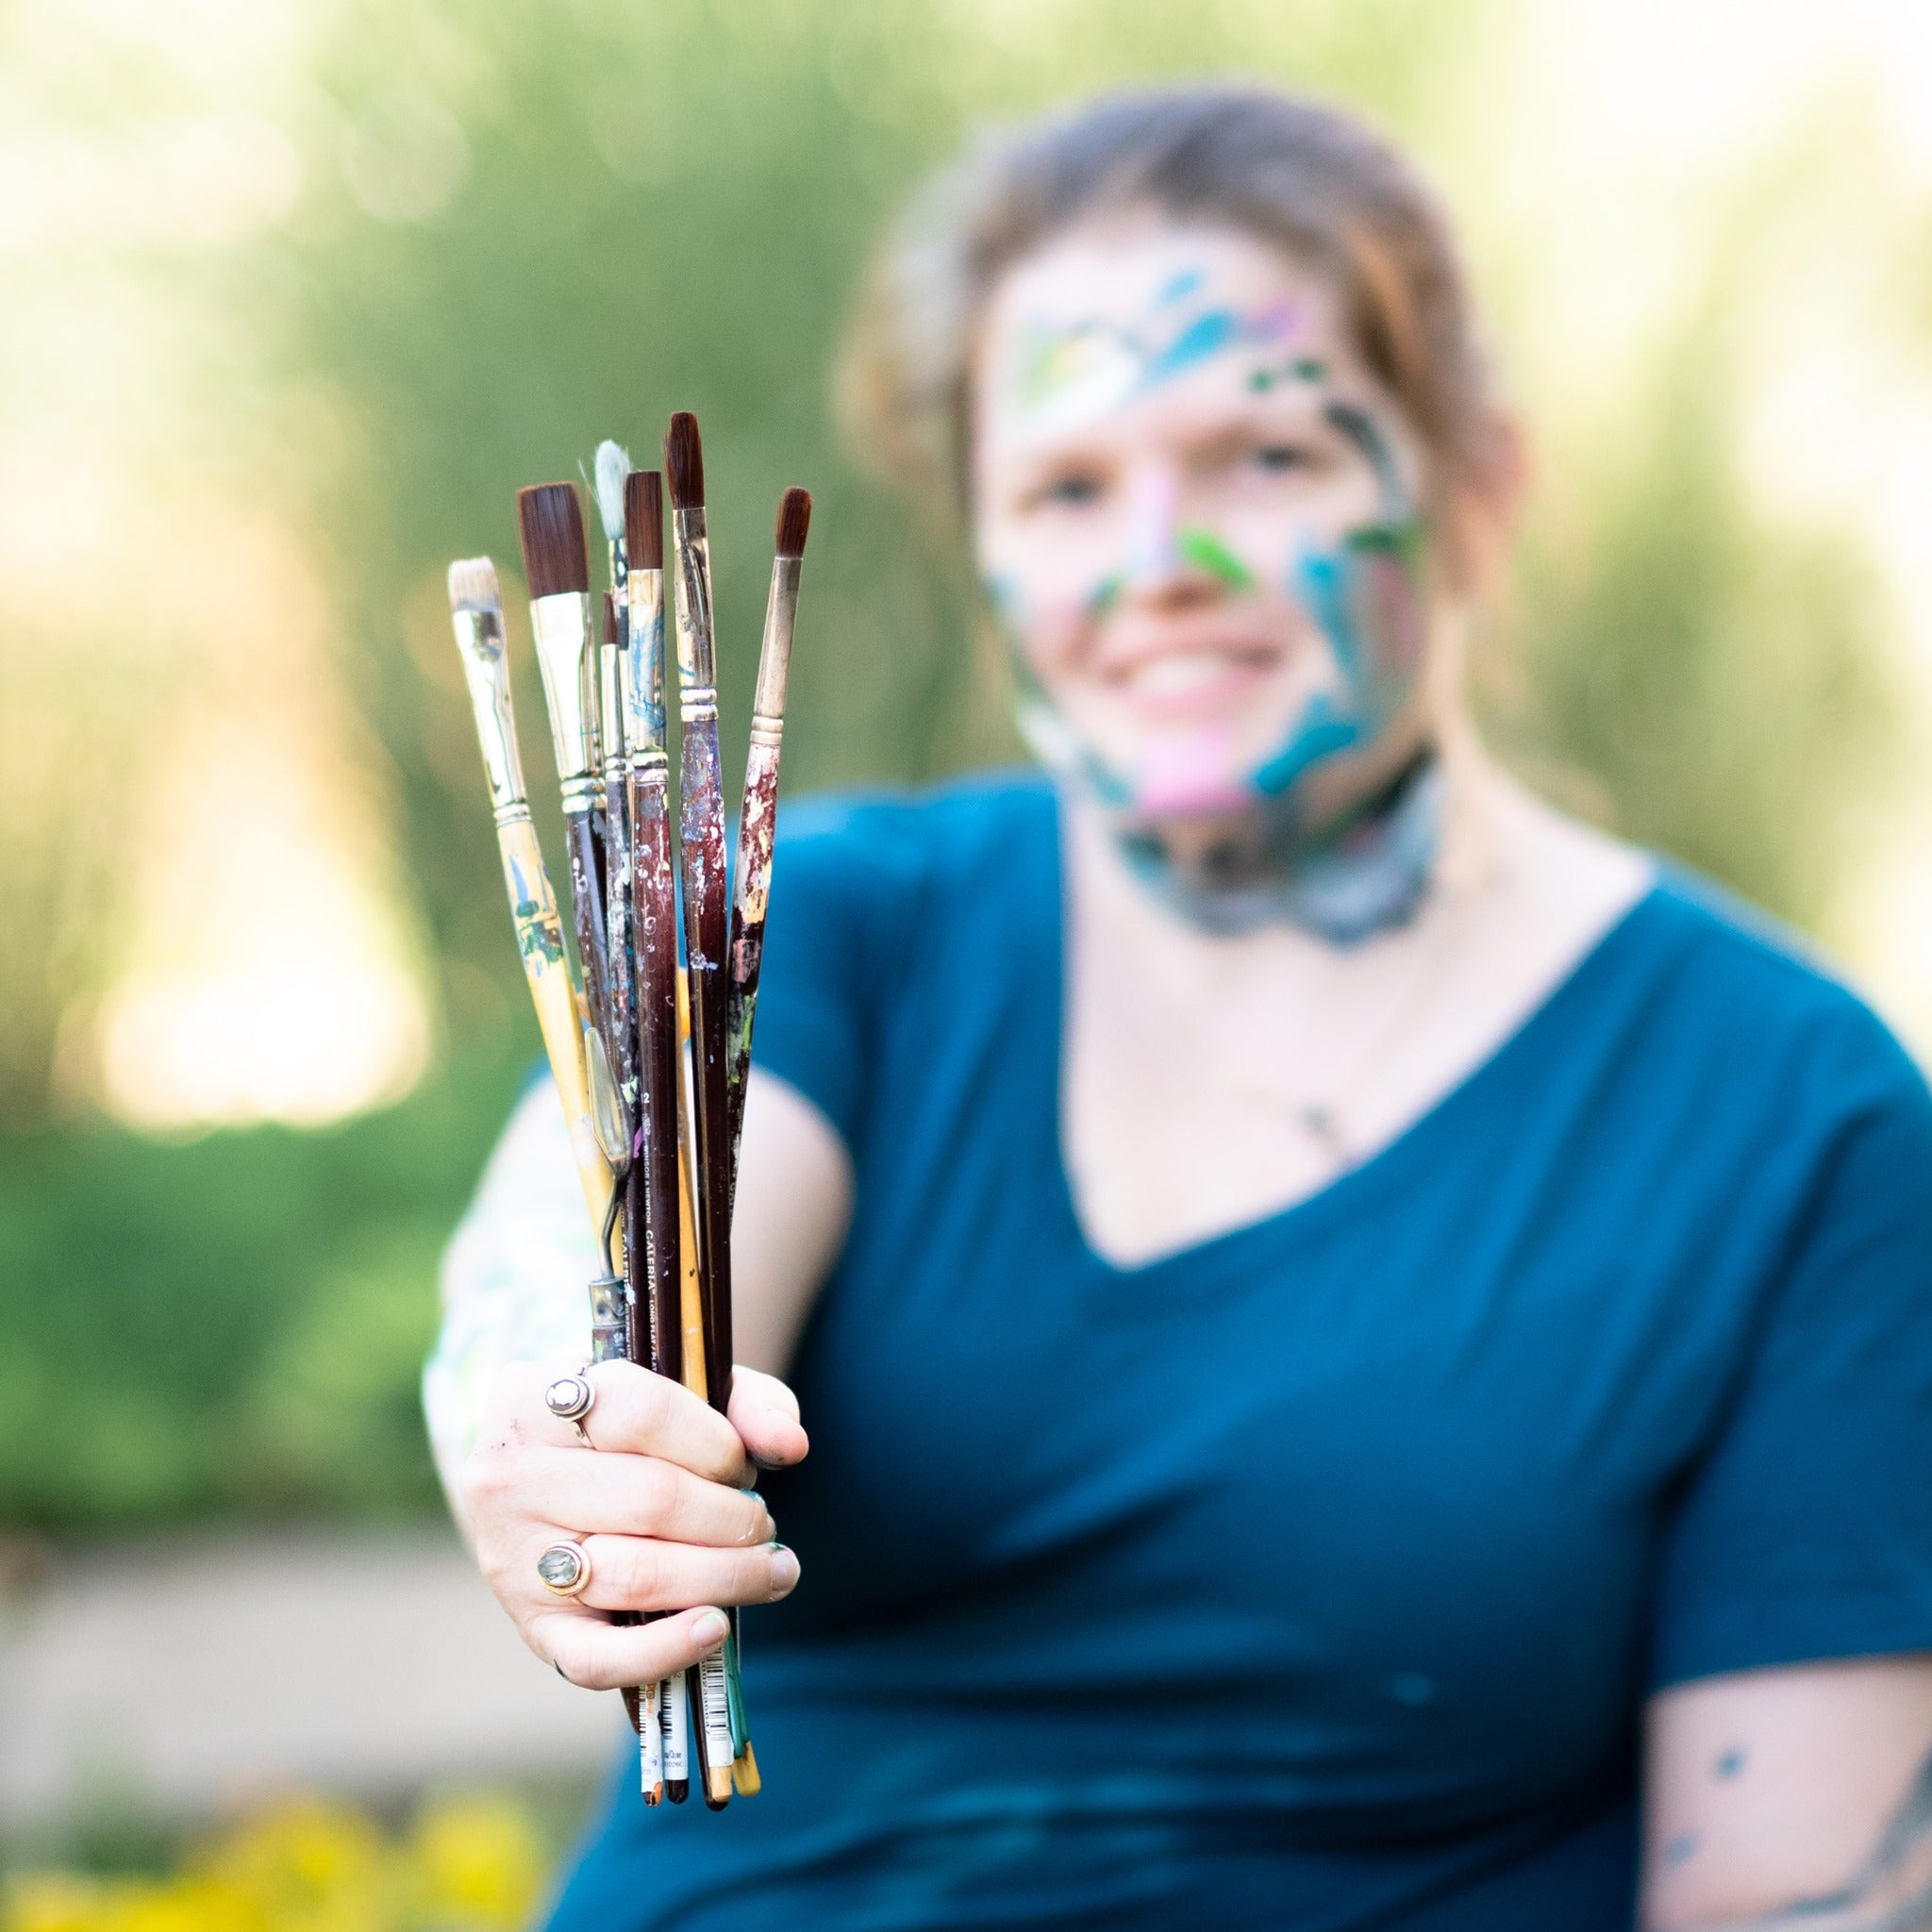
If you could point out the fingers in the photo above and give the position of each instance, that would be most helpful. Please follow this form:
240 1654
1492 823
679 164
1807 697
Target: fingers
630 1572
612 1657
764 1413
633 1411
640 1496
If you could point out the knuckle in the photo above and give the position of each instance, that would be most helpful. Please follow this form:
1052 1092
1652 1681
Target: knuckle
485 1478
641 1578
656 1494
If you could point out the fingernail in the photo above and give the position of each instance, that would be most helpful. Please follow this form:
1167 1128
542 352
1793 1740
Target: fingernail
784 1570
710 1629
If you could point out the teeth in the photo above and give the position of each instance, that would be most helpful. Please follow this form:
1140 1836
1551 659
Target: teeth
1192 671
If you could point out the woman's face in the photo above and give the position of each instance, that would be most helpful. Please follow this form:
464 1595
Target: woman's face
1196 511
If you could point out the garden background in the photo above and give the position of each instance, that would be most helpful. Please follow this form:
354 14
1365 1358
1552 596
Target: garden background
298 293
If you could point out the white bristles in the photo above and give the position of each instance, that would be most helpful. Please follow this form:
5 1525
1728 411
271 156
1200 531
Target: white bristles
472 585
612 467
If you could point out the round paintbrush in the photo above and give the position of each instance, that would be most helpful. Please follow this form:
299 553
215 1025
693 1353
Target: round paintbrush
757 820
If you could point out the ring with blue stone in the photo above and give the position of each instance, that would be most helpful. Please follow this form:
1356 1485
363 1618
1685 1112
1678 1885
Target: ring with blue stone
564 1569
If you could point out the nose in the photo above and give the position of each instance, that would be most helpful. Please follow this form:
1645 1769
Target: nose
1153 561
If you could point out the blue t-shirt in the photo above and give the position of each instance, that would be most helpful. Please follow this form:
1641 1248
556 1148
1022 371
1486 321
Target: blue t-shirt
1315 1575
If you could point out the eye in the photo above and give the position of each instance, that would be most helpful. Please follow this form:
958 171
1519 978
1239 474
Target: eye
1277 459
1071 490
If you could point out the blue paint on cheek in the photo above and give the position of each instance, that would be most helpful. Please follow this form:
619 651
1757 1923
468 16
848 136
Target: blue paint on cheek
1003 594
1105 594
1320 732
1324 580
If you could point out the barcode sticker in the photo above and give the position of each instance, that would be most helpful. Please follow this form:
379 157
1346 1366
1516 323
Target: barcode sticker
651 1744
672 1713
715 1695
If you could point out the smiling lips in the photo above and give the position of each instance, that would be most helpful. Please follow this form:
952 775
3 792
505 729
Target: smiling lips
1194 681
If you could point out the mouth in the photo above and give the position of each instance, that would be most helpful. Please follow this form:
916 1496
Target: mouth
1195 680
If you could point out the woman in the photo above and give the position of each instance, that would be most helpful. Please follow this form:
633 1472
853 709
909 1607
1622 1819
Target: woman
1361 1338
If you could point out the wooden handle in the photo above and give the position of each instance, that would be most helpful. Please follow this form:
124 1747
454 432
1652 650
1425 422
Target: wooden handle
539 940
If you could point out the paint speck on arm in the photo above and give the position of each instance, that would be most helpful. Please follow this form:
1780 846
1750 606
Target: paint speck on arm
1729 1763
1682 1847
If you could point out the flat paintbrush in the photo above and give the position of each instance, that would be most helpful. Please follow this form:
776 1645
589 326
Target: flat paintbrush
757 820
558 573
477 611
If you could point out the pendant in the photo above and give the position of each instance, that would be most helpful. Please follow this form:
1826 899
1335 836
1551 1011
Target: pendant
1320 1127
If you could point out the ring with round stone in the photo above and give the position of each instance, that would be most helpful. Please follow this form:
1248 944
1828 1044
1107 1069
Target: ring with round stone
564 1569
569 1399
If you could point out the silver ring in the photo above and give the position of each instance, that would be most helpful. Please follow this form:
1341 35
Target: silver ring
564 1569
569 1399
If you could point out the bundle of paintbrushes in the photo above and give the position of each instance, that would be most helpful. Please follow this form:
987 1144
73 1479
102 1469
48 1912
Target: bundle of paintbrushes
650 1058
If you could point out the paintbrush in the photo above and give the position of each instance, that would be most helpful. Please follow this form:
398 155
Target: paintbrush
701 852
757 819
477 611
654 926
558 573
609 469
656 1257
619 974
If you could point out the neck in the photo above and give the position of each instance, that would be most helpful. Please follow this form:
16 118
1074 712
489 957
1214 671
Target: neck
1375 862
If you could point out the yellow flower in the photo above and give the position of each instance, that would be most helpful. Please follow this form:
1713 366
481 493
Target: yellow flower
470 1864
311 1866
479 1863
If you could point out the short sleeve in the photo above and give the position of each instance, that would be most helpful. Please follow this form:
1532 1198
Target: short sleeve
1806 1531
845 876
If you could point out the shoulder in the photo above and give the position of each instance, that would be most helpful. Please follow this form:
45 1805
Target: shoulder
911 828
874 851
1742 1004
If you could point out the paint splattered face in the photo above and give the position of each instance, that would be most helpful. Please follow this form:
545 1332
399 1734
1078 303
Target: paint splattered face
1195 510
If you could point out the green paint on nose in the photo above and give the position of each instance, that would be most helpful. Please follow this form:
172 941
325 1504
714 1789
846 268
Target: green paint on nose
1208 553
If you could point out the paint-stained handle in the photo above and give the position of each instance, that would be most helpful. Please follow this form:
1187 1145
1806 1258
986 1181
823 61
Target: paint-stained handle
757 829
539 940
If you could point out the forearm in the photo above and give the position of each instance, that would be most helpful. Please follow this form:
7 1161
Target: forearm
513 1280
1794 1799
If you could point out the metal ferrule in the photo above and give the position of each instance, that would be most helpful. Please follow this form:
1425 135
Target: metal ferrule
774 653
593 737
696 703
582 794
560 623
696 661
608 1326
486 666
608 657
644 665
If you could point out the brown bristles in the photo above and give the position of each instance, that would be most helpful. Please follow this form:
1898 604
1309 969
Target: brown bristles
684 462
643 519
553 532
610 636
794 520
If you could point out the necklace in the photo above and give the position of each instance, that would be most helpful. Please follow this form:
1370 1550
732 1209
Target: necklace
1325 1116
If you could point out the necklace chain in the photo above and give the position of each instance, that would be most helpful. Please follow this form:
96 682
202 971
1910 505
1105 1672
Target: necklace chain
1322 1115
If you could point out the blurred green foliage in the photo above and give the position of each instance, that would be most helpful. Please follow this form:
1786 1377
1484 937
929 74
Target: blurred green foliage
233 1326
527 225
